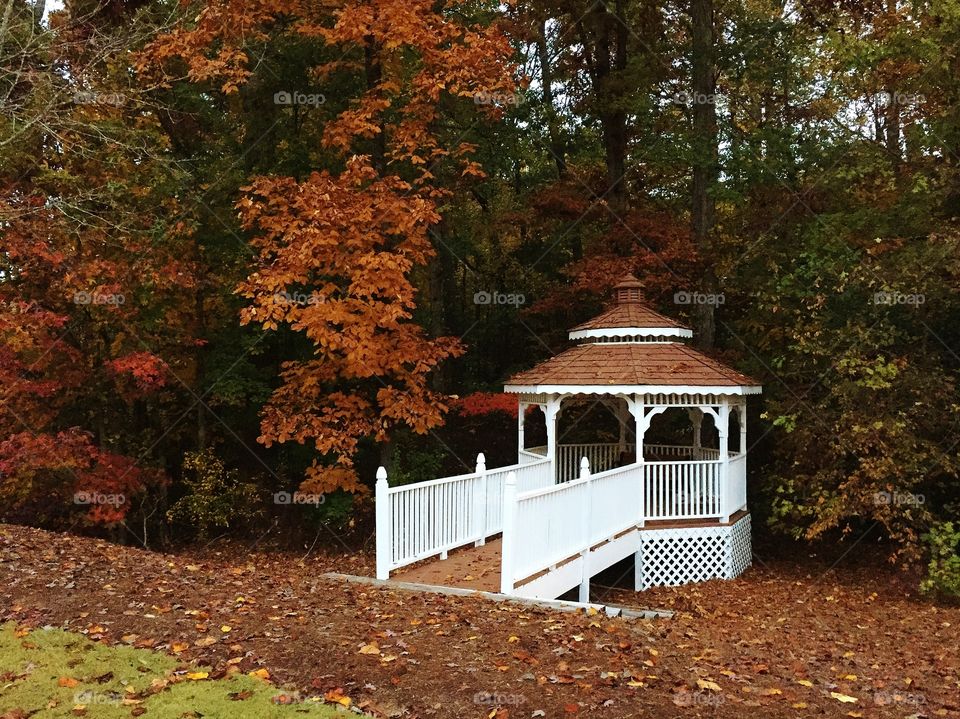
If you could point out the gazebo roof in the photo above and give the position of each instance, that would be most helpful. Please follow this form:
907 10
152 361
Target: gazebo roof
620 356
630 317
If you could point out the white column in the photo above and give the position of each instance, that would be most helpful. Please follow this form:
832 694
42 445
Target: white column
742 416
383 525
584 593
521 420
636 408
480 501
509 533
550 412
723 429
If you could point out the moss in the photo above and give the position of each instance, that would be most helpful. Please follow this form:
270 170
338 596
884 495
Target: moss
48 673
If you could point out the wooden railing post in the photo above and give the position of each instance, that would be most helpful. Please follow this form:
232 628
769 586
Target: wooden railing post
384 525
480 500
508 542
584 594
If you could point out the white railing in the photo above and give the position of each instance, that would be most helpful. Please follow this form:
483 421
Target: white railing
422 520
530 476
602 456
682 490
561 521
735 496
544 527
668 450
531 454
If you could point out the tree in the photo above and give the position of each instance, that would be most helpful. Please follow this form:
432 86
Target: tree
337 249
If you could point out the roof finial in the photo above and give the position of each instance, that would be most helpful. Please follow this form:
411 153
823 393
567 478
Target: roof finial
628 291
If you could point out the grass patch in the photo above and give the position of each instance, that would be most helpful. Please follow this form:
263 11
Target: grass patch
50 673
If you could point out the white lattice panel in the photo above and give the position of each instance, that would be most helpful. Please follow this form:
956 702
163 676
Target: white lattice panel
695 554
741 553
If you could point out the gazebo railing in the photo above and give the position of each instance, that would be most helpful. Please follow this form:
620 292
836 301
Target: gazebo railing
532 454
682 490
736 494
602 456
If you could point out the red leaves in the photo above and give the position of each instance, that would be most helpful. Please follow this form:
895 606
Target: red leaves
482 403
146 369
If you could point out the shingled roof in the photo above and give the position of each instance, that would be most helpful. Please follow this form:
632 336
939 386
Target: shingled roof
639 361
632 364
629 315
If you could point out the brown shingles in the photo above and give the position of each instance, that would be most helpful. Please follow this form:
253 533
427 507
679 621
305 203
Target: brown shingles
629 315
640 363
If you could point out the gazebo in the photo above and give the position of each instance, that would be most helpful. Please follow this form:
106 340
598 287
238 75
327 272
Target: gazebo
676 502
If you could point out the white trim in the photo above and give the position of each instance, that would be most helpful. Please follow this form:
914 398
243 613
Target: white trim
631 332
619 389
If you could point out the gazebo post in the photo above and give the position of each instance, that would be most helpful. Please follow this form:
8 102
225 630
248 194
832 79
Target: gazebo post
636 408
550 412
521 421
723 430
742 417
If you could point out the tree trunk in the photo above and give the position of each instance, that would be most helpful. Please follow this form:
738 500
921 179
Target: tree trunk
705 162
557 146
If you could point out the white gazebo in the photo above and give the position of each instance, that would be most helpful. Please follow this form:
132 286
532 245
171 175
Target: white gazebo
567 510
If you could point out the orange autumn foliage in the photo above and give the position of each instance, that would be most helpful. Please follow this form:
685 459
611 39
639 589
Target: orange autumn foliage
337 248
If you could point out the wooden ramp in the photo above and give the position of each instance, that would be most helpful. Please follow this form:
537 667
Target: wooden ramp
466 568
478 568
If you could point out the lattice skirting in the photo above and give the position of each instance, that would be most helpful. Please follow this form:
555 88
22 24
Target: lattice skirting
671 557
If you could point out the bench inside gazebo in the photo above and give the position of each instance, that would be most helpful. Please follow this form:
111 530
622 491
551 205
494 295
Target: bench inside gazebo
566 511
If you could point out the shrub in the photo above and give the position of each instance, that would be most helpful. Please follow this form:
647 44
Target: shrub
943 572
216 498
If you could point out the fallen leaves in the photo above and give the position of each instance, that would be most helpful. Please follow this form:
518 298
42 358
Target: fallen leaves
845 698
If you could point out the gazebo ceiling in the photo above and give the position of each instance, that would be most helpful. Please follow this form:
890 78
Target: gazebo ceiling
631 362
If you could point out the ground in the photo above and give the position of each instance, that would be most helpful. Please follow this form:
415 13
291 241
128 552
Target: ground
793 637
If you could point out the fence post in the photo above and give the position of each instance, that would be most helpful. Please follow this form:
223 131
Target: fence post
509 533
587 513
384 540
480 501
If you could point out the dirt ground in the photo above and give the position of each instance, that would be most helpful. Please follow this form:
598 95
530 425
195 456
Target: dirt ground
793 637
